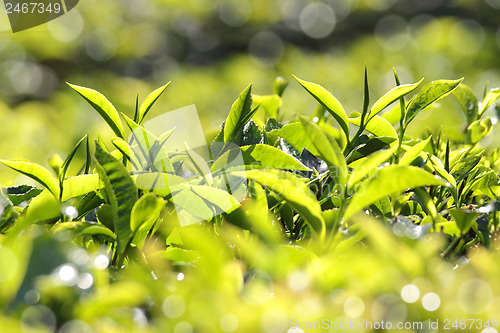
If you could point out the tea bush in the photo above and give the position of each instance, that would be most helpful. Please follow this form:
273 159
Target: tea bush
335 219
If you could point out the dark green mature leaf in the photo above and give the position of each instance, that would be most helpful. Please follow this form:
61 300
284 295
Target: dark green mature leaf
489 99
468 101
369 165
329 151
21 193
149 101
369 147
465 165
328 101
8 215
429 94
121 192
104 107
389 180
240 114
251 134
36 172
295 134
391 96
296 193
145 211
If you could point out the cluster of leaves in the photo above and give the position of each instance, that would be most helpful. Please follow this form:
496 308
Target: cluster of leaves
309 184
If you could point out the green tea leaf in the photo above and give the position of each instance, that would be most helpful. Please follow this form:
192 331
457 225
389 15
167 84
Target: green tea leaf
294 191
200 165
21 193
80 185
145 211
264 156
122 194
64 167
429 94
414 151
376 125
329 151
465 165
295 135
391 96
149 101
369 165
328 101
463 218
468 101
389 180
128 152
240 114
271 104
478 130
36 172
104 107
489 99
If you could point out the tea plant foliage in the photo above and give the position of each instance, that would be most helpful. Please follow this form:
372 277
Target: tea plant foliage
308 195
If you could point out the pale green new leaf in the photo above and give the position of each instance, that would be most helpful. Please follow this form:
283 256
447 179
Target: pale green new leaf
377 126
478 130
390 180
429 94
329 151
36 172
104 107
80 185
328 101
149 101
294 191
295 135
414 151
391 96
265 156
200 164
145 211
489 99
468 101
241 112
369 165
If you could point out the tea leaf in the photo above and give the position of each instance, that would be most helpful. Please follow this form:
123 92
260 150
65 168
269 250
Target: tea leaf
429 94
489 99
389 180
264 156
104 107
376 125
414 151
329 151
240 114
391 96
463 218
328 101
294 191
145 211
478 130
468 101
80 185
370 165
149 101
295 135
121 192
36 172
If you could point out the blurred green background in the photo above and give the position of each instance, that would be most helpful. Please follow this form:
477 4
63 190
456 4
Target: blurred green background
212 49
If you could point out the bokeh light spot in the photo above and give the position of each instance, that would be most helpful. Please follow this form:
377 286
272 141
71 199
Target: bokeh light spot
475 296
354 307
173 306
317 20
229 323
431 302
410 293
